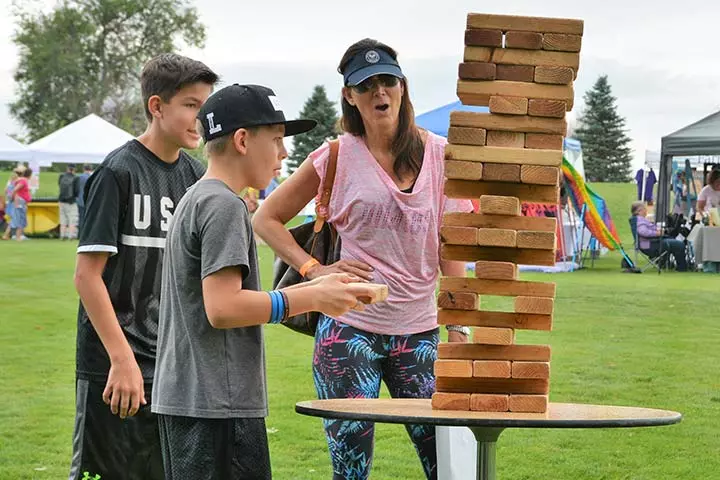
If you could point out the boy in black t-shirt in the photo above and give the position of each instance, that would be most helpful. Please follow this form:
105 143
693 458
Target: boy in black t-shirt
129 202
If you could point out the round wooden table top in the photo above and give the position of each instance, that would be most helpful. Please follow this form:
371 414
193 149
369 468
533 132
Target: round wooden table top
559 415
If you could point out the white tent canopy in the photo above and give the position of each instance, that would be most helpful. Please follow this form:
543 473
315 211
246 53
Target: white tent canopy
87 140
13 151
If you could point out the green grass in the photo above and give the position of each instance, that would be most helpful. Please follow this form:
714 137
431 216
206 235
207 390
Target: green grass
642 340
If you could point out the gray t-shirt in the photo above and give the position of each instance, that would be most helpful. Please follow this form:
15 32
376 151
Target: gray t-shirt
202 371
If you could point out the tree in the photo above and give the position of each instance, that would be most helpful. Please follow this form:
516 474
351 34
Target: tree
606 146
85 56
318 107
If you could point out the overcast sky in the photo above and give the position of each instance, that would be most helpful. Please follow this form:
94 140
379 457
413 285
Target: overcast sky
662 56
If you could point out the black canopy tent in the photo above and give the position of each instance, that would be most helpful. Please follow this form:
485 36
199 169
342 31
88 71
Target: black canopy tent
699 138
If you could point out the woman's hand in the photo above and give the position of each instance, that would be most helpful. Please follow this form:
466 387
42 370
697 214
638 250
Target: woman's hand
457 337
359 269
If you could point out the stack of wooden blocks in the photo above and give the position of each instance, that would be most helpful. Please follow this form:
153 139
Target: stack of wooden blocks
522 68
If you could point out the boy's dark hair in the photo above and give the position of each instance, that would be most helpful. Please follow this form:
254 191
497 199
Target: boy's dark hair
167 73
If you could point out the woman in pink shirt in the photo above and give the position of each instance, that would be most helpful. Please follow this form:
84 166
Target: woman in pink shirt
21 197
387 205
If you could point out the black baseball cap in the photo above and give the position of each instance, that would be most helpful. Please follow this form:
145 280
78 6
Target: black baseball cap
245 106
368 63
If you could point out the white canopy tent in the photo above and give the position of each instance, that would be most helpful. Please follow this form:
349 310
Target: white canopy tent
13 151
87 140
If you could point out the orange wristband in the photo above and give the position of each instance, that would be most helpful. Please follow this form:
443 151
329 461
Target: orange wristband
307 266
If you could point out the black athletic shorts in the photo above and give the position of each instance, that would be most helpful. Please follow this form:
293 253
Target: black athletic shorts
214 449
108 447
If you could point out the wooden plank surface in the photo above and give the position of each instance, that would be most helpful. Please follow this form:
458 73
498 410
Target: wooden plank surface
496 270
478 90
495 237
525 256
458 300
493 336
467 136
482 318
527 403
499 138
536 240
509 288
450 401
527 369
483 402
499 205
523 124
476 351
554 75
478 54
546 108
508 105
539 175
515 73
458 235
524 23
501 172
479 71
535 305
490 368
492 385
518 156
453 368
527 40
462 219
511 56
460 170
484 37
525 192
543 141
562 42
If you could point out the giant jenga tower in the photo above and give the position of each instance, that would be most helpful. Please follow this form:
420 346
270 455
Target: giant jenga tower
523 69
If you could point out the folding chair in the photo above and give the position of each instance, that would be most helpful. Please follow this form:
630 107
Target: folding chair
655 256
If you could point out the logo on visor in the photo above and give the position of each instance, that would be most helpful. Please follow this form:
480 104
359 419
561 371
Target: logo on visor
372 56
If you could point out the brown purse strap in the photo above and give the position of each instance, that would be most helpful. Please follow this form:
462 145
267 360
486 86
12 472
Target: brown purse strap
327 186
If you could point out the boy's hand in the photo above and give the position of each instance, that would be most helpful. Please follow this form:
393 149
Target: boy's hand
125 389
335 297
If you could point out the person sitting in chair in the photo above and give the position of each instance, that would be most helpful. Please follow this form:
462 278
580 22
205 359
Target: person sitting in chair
647 231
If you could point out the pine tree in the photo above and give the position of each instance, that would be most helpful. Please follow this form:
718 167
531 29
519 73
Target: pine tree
319 108
605 144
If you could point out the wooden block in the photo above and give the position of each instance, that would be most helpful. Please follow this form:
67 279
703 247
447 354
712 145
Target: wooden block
492 385
496 237
562 42
547 108
461 219
530 24
467 136
499 138
482 318
523 156
453 368
483 402
451 401
375 292
480 93
508 288
543 141
483 37
515 73
508 105
527 369
538 175
477 71
502 172
496 270
458 300
535 240
490 368
527 40
493 336
458 235
478 54
525 256
512 56
522 124
525 192
476 351
499 205
537 305
554 75
459 170
527 403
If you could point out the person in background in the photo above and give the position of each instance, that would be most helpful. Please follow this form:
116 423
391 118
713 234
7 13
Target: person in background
274 183
710 194
68 184
21 198
80 199
9 204
646 231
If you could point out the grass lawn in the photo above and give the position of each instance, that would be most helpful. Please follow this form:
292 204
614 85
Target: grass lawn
641 340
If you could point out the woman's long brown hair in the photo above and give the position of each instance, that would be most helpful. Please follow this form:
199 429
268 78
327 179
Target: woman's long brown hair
407 146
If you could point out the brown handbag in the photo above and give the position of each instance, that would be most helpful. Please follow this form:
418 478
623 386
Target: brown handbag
319 239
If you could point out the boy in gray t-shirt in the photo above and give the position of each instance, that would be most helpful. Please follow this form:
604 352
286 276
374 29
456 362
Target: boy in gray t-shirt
210 389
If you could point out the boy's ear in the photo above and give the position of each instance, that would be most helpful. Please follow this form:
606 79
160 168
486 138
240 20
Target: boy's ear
240 138
155 106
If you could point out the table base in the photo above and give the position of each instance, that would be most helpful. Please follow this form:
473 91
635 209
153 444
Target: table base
486 444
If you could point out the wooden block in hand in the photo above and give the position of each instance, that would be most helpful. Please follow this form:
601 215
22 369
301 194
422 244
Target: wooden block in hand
478 71
562 42
520 156
451 401
453 368
525 24
554 75
529 369
458 235
483 37
497 205
460 170
467 136
486 402
508 123
501 172
492 369
496 270
539 175
458 300
542 141
496 237
527 40
494 336
499 138
480 93
547 108
536 240
508 105
515 73
375 292
539 305
528 403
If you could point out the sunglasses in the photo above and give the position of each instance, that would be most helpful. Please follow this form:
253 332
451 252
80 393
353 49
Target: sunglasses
368 84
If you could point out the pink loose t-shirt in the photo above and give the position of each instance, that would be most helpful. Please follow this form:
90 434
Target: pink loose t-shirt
394 232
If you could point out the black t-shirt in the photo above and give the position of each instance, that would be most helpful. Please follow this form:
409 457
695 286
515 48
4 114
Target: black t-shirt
130 201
